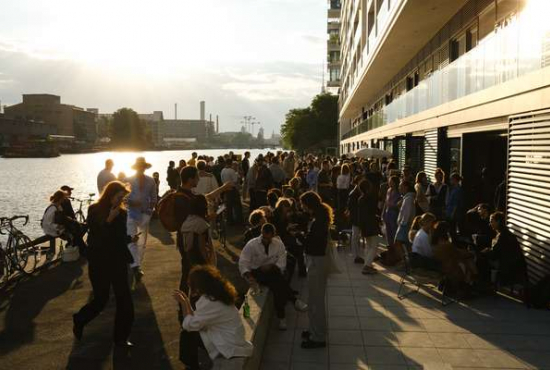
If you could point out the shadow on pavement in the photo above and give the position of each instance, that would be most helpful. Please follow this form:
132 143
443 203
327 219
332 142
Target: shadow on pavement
24 302
96 350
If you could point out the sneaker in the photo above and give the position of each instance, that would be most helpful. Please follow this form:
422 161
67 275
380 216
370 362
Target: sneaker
368 270
300 305
282 324
358 260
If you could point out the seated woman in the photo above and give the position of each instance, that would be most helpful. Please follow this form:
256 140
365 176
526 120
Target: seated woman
281 221
458 265
422 252
505 256
215 324
53 220
256 220
414 228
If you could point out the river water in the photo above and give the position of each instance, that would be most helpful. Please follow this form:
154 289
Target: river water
27 183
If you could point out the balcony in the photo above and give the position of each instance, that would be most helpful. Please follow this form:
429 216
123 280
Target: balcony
333 83
513 51
333 14
396 36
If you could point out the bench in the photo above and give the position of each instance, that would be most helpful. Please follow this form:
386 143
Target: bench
421 278
256 329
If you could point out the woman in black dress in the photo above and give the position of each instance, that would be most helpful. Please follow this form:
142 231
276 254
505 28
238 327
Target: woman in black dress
108 260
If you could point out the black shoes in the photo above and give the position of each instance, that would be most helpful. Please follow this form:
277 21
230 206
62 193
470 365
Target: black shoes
358 260
78 329
307 343
311 344
124 344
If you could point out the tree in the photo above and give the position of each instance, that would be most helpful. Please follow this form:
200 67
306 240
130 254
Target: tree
127 130
314 128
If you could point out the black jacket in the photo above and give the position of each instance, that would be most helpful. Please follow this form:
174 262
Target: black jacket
507 251
316 239
367 215
353 200
108 242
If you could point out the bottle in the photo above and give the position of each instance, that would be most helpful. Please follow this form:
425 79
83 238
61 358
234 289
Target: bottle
246 307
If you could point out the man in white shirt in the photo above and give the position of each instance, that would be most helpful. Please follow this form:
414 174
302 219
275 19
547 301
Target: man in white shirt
232 197
422 251
263 260
105 176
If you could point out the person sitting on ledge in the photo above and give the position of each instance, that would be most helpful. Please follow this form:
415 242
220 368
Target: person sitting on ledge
256 221
262 261
215 324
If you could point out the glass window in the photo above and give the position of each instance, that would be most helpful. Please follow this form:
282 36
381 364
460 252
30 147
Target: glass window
487 20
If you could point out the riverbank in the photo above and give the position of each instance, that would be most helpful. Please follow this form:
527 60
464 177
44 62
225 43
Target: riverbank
35 315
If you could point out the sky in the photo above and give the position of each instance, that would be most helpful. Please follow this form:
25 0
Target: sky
257 58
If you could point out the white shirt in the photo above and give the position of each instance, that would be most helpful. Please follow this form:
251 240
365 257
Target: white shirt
48 221
220 328
103 178
206 184
253 255
343 182
421 244
406 212
229 175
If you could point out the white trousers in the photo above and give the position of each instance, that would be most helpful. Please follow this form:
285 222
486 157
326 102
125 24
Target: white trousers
371 249
356 241
132 228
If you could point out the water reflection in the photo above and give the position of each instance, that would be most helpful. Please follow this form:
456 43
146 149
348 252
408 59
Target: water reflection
27 183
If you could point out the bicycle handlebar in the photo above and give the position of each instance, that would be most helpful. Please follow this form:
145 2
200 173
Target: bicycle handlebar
10 220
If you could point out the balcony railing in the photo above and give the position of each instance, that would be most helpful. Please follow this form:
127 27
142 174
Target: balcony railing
512 51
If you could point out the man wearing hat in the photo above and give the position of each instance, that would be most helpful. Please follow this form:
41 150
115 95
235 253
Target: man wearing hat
141 202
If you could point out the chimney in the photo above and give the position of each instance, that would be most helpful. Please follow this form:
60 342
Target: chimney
217 125
203 108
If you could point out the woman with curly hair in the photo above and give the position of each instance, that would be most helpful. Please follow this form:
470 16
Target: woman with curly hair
215 324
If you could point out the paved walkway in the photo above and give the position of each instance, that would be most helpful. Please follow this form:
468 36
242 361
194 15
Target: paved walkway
370 328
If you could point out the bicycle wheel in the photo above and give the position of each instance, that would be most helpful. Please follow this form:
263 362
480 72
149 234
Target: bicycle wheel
25 254
80 217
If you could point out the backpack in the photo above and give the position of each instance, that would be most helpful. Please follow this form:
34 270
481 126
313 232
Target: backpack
173 209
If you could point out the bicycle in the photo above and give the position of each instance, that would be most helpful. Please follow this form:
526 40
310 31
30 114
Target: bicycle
19 254
80 217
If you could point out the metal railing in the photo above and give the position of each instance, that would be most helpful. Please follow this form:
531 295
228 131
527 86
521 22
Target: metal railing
512 51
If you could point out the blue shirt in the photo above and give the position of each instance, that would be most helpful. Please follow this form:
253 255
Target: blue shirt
147 196
311 178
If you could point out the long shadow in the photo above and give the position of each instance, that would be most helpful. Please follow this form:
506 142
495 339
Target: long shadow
96 351
484 325
26 300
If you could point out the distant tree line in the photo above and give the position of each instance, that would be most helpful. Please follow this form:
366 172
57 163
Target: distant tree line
314 128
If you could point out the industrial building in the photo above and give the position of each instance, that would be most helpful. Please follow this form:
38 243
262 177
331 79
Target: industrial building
69 120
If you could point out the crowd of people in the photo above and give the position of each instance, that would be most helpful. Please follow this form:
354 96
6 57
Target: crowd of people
296 206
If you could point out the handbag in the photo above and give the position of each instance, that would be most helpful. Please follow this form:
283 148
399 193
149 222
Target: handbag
334 262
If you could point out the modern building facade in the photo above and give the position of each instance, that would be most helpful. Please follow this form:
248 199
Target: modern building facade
333 46
459 84
69 120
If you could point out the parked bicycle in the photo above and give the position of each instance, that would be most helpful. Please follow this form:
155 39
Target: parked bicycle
18 254
80 216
